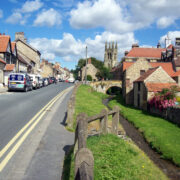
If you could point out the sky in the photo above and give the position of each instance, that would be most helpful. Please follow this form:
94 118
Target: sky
61 29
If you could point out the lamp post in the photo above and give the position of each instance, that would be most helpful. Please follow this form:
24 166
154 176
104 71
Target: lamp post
86 68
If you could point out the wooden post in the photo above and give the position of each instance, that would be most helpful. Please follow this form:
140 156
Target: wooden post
104 122
84 165
82 130
115 120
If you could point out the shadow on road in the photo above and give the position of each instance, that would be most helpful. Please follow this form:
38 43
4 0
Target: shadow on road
64 120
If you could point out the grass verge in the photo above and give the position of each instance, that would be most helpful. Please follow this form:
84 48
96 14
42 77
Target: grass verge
116 159
161 134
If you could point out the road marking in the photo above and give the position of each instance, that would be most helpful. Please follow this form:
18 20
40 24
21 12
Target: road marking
21 140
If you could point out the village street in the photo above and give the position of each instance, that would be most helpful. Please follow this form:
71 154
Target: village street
25 119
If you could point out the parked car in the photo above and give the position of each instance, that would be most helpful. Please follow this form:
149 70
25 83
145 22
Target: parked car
53 79
40 81
71 80
45 81
34 80
19 81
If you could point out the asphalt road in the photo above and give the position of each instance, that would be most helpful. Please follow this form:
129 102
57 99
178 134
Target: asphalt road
17 108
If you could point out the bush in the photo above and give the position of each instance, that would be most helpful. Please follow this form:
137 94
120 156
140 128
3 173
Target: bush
89 77
162 100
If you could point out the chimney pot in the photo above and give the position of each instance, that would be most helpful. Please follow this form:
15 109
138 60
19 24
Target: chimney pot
126 53
135 45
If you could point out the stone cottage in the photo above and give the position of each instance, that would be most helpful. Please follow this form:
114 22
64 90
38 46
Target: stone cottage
91 70
28 52
47 68
152 81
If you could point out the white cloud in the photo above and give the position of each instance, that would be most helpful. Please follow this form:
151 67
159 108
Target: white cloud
172 35
70 49
20 16
124 15
17 18
1 13
164 22
31 6
48 18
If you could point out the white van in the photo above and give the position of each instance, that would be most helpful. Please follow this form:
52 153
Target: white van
19 81
34 79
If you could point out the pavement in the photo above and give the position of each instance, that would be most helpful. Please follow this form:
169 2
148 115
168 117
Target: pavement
41 156
3 89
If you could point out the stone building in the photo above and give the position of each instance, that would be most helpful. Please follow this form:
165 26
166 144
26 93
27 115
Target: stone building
152 81
47 69
110 55
150 54
91 70
23 64
28 52
133 70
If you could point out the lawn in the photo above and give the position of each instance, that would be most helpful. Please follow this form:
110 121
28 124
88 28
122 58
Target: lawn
161 134
88 101
116 159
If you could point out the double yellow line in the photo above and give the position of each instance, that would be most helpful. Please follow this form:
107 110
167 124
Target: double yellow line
31 124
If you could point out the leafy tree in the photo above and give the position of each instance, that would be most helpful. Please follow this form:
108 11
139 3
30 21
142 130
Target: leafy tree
104 73
89 77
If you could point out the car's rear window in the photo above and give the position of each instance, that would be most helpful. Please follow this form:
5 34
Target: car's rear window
16 77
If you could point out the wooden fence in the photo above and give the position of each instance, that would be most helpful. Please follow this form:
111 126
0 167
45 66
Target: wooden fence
84 160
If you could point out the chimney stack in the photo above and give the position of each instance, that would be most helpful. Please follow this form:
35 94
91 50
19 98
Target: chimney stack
158 45
126 53
135 45
20 35
89 61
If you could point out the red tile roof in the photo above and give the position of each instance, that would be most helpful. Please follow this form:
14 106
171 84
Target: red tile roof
157 87
170 46
145 52
167 66
2 61
177 73
126 65
177 62
145 75
13 44
9 67
4 42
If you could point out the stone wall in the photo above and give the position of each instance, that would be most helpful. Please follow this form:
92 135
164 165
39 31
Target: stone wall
133 73
91 70
172 114
2 73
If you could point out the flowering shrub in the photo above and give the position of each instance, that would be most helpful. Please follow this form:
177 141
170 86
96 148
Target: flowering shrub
163 100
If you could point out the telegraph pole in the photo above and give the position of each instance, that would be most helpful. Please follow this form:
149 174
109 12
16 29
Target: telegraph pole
86 68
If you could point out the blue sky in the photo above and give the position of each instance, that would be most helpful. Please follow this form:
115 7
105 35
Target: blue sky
61 29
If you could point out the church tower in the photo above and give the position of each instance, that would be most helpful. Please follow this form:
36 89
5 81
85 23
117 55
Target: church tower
110 55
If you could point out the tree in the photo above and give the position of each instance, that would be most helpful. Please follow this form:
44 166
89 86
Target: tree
89 77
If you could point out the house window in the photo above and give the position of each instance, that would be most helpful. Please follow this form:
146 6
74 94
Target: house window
142 72
8 59
127 82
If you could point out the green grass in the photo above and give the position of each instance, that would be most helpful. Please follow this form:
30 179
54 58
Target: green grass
88 101
161 134
116 159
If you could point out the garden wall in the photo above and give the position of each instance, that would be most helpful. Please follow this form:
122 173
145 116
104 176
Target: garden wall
172 114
